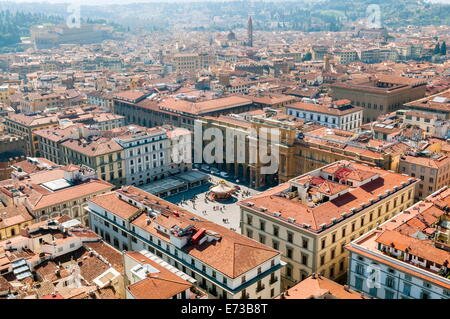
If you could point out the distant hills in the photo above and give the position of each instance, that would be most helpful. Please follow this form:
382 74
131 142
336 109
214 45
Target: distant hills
14 25
302 15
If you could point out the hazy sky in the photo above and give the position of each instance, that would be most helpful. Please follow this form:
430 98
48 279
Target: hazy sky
99 2
102 2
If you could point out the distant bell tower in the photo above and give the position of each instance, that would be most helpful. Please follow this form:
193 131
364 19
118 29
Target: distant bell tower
326 67
250 32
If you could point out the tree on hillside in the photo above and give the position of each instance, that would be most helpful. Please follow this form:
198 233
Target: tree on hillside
307 56
444 48
437 49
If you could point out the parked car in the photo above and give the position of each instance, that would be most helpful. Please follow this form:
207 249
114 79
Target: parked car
214 170
205 168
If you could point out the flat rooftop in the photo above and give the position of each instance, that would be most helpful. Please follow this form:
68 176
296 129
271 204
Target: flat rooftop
163 185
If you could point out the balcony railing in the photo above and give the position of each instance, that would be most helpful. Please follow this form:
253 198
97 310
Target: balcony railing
412 263
273 280
260 288
245 296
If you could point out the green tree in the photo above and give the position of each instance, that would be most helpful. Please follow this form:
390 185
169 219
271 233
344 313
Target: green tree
307 56
443 48
437 49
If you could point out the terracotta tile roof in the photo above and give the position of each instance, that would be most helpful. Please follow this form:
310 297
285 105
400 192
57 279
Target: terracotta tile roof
76 293
32 120
4 284
47 271
45 289
355 173
129 132
401 233
107 293
325 212
232 255
46 176
413 246
271 99
205 106
429 102
112 255
157 288
162 285
57 134
397 79
325 108
93 147
315 287
230 120
398 267
67 194
29 167
90 266
71 168
113 204
370 85
13 215
437 163
52 296
130 95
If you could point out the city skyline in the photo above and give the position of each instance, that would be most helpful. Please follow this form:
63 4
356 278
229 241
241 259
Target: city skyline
225 151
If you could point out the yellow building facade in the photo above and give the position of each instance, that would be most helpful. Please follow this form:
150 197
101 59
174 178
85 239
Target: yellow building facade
306 250
12 219
5 93
301 147
24 125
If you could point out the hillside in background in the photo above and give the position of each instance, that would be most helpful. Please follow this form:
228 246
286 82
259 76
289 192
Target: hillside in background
14 25
302 15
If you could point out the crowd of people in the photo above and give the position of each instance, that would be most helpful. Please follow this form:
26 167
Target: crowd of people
238 195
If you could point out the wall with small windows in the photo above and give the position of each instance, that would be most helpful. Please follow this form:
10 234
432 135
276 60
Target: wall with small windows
60 247
260 282
147 157
337 236
13 230
380 280
75 208
431 178
349 122
306 252
295 245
